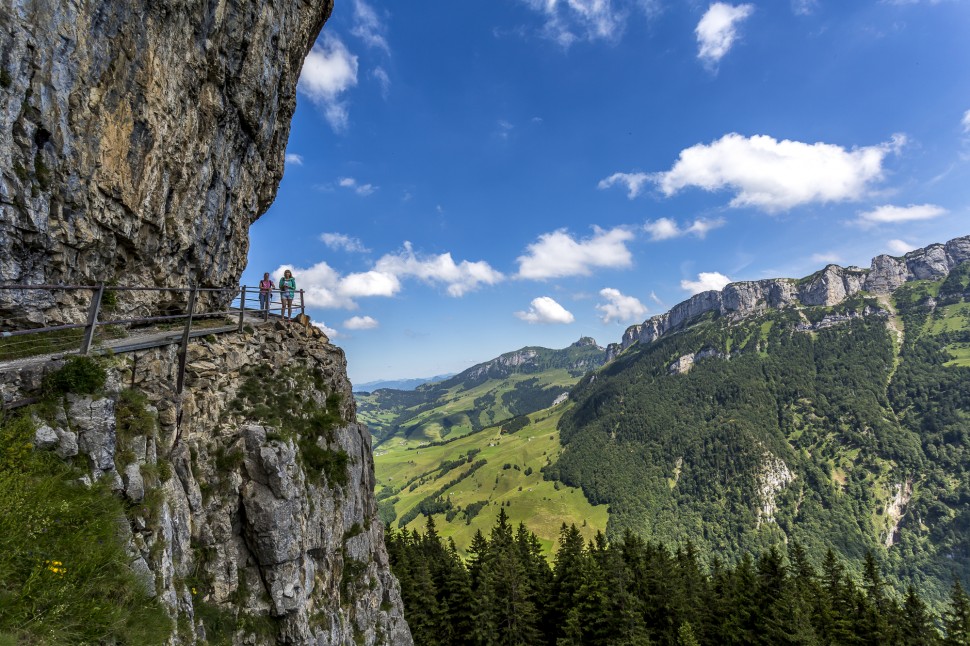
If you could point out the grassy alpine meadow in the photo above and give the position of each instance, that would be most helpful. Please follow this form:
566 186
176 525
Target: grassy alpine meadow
464 483
460 410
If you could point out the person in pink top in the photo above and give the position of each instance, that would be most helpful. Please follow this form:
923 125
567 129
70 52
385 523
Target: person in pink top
265 292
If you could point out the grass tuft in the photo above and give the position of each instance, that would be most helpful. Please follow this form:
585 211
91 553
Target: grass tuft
64 575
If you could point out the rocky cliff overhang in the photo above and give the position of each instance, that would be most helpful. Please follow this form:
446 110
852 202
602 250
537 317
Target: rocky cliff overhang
140 139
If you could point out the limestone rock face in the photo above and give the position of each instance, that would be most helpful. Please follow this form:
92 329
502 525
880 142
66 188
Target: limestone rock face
225 509
139 139
827 287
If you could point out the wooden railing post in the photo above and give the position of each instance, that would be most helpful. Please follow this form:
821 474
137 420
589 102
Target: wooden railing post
302 304
92 319
184 347
242 307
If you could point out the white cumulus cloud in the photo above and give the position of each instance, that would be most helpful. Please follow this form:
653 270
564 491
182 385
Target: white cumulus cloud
887 214
665 228
369 283
706 281
329 331
328 71
360 323
777 175
633 182
293 158
717 30
460 278
546 310
323 286
899 247
619 307
558 254
320 284
341 241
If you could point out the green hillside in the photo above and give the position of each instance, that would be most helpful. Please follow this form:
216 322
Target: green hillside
849 431
464 482
516 383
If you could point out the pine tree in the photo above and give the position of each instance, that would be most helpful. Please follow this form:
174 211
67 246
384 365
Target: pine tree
956 619
916 624
873 626
567 578
685 635
835 622
515 614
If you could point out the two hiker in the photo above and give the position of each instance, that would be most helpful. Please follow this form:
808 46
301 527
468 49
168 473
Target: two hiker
287 288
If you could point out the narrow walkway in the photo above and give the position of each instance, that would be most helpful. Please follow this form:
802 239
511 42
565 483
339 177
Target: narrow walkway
134 342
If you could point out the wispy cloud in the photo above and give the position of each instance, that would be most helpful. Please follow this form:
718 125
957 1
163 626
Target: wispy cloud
459 278
569 21
965 122
361 323
665 228
803 7
369 27
777 175
294 159
504 129
546 310
360 189
558 254
634 182
899 247
328 71
340 241
619 307
827 257
889 214
383 80
717 30
706 281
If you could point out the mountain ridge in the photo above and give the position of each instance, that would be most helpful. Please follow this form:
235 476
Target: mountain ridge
827 287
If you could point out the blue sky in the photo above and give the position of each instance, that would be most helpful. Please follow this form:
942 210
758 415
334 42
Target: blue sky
467 178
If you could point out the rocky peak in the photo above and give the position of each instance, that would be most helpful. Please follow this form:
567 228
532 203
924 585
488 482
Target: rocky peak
827 287
584 341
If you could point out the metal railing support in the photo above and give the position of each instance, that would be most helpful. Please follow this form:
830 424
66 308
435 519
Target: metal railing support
184 346
92 319
242 307
302 304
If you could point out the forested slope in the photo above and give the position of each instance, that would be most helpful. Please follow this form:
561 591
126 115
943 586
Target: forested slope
840 426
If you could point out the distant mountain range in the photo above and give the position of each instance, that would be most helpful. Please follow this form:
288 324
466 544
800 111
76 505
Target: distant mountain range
832 410
515 383
398 384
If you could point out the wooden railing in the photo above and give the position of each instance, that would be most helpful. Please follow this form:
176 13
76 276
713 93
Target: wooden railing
104 303
239 302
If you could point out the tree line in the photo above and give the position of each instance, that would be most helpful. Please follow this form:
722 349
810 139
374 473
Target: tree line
633 593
